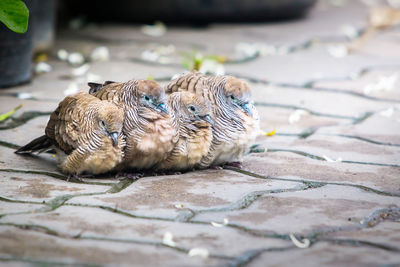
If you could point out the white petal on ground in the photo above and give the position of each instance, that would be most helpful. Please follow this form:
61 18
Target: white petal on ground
349 31
90 77
305 243
80 70
212 67
179 206
24 95
338 51
199 252
215 224
43 67
168 239
156 30
296 115
72 89
328 159
150 55
101 53
387 112
385 83
76 58
247 49
62 54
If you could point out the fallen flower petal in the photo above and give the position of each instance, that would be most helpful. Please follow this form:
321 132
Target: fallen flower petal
300 244
62 55
331 160
100 53
156 30
42 67
80 70
200 252
168 239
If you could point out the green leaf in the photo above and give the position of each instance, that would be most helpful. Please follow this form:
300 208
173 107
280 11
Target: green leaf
6 115
14 14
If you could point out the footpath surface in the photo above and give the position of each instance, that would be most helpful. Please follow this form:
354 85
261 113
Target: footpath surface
324 190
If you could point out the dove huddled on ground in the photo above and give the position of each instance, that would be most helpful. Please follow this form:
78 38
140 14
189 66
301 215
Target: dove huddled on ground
86 133
191 118
236 122
147 125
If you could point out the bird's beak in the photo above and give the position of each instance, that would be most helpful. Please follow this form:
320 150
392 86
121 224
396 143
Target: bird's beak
114 138
207 118
162 108
246 107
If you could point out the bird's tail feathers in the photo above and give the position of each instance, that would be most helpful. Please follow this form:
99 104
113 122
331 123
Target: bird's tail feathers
39 145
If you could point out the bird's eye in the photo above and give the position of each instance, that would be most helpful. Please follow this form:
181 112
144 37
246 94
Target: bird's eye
192 109
103 123
232 97
147 98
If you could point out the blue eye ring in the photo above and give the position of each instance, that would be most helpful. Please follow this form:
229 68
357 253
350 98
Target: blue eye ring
148 98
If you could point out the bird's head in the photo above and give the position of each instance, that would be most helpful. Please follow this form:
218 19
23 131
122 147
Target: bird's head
110 120
192 109
238 96
151 95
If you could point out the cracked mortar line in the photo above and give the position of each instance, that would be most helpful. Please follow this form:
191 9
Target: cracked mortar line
362 187
48 231
243 203
13 122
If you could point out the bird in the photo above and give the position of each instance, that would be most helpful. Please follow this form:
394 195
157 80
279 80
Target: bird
147 124
236 121
86 133
191 118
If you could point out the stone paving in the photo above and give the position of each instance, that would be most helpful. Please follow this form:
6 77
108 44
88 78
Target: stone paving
324 190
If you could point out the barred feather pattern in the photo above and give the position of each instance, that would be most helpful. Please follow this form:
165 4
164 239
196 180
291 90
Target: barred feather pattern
81 144
148 133
233 130
193 136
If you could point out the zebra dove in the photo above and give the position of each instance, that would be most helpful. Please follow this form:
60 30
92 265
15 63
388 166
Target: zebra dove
147 124
236 122
86 133
190 115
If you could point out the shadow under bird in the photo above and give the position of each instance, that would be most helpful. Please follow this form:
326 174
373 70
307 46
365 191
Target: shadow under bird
236 122
147 124
191 118
86 133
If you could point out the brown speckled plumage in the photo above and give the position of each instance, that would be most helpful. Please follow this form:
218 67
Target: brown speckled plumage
81 130
147 125
191 117
236 122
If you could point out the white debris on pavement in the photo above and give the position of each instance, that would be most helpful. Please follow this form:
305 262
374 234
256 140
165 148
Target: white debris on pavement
338 51
199 252
168 239
42 67
100 53
328 159
76 58
384 83
296 115
80 70
72 89
305 243
62 55
156 30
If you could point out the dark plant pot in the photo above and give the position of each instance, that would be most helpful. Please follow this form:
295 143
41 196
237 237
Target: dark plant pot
15 57
43 25
16 49
190 10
